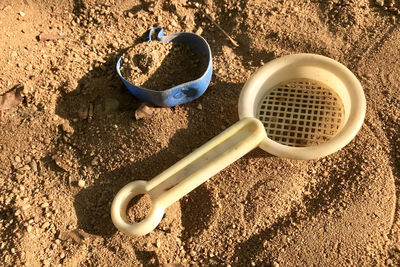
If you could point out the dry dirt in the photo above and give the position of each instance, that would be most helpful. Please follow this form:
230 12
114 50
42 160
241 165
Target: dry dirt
73 142
159 66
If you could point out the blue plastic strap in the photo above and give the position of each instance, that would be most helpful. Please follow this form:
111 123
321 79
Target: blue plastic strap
159 31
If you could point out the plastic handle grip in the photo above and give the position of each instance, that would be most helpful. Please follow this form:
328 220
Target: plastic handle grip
186 175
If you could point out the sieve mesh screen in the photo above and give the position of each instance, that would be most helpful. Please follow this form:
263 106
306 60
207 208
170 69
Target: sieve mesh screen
301 112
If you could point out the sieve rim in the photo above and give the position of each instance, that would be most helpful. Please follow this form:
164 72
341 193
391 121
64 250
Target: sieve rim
349 129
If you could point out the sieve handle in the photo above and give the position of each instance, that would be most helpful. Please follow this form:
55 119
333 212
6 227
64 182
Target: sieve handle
186 175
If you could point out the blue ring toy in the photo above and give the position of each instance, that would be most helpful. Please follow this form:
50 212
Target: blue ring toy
184 92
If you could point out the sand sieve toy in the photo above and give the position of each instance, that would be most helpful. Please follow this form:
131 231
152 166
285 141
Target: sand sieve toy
181 93
301 106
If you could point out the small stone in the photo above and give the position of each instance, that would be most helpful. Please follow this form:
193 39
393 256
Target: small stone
33 165
83 112
130 15
90 112
158 244
62 255
193 253
95 161
29 67
144 111
14 54
44 205
67 128
199 31
275 264
25 168
45 225
199 106
379 2
17 159
325 174
81 183
22 14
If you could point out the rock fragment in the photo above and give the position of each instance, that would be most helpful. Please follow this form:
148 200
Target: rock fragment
144 111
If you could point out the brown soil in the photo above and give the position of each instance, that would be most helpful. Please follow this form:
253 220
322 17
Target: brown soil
73 142
139 207
159 66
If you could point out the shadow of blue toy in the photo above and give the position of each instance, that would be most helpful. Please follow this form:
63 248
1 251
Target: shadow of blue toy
184 92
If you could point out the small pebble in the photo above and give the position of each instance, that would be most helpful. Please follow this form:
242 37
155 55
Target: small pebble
22 14
25 168
193 253
95 161
81 183
67 128
83 112
199 31
45 225
199 107
33 165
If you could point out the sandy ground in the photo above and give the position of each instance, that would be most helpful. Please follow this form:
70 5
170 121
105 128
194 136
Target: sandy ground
73 141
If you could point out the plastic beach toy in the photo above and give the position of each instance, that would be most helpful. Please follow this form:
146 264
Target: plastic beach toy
182 93
301 106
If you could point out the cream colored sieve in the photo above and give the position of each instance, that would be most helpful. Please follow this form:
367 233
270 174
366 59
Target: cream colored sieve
301 112
300 106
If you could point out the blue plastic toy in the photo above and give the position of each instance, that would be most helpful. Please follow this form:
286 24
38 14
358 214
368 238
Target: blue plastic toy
182 93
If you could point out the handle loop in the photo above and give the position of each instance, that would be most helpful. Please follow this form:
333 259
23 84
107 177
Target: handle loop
120 205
